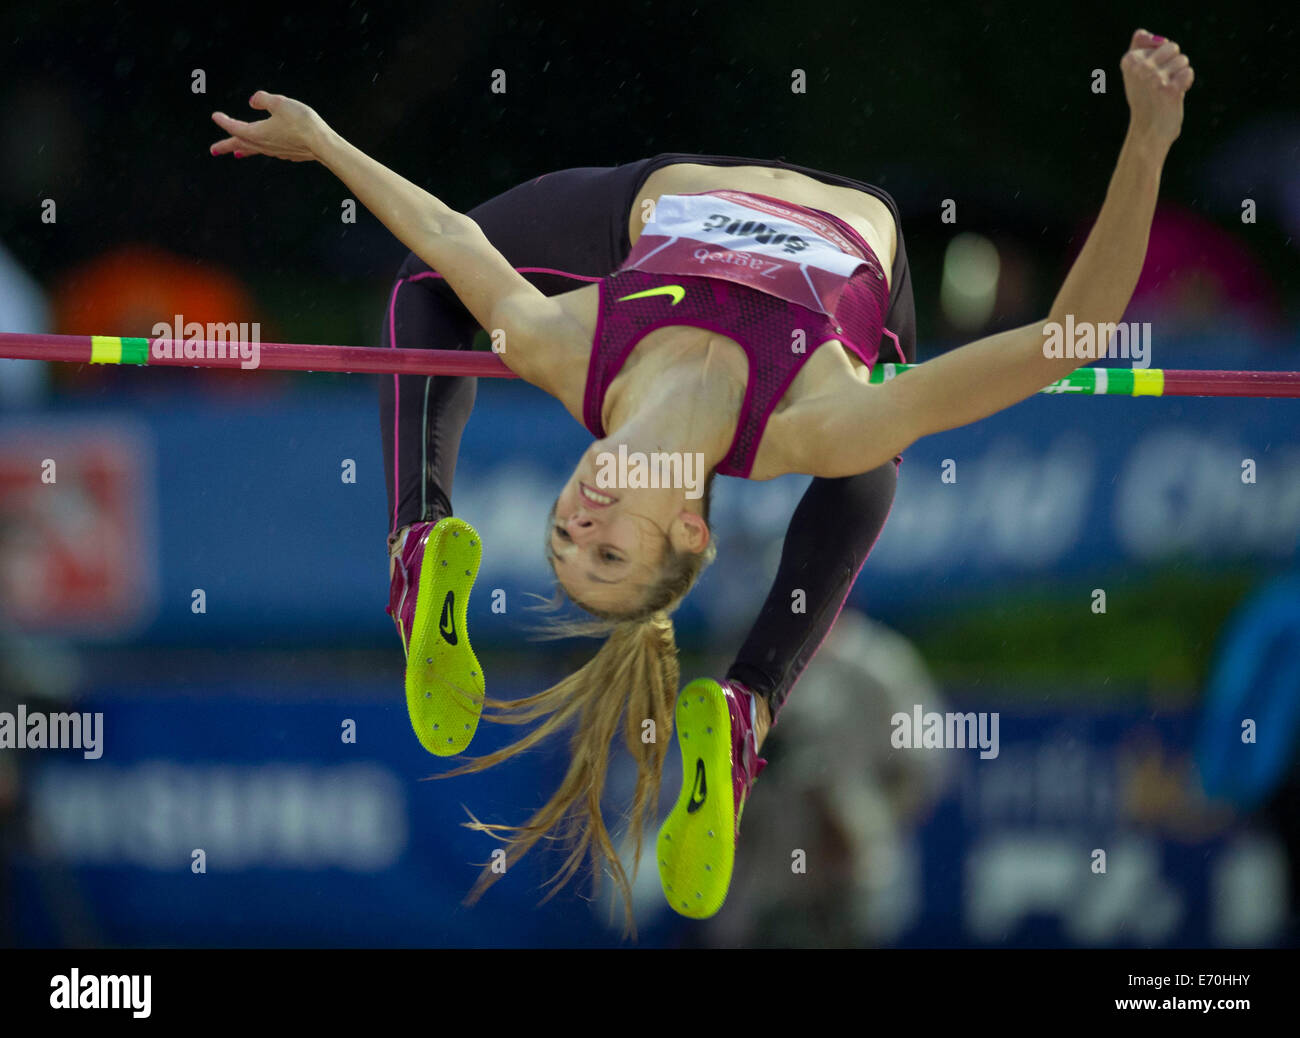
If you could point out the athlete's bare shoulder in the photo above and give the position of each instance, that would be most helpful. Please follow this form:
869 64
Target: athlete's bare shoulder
554 345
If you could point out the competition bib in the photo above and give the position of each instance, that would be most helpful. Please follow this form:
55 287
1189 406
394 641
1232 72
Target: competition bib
759 242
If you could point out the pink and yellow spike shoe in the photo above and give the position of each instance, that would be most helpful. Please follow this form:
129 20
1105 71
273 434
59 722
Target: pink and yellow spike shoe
432 577
697 842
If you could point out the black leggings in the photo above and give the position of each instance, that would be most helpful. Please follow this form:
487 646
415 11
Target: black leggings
566 228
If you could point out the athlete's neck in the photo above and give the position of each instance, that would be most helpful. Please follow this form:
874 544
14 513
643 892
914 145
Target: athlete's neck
675 401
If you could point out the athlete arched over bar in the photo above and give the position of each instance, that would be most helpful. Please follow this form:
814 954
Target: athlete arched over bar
682 336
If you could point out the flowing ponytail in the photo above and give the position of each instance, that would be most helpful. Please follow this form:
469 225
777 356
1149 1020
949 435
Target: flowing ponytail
631 680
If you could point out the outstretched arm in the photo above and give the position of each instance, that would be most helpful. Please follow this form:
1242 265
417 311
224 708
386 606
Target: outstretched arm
989 375
450 242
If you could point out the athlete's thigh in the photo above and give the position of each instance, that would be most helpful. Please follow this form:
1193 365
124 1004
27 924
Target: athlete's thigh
572 223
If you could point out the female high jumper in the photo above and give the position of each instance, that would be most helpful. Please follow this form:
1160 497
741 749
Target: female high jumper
727 307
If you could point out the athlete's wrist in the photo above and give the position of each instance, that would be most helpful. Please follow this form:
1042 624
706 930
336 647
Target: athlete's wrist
325 144
1147 145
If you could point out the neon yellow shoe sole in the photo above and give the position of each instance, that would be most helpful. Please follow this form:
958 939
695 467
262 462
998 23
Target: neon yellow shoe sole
697 842
444 682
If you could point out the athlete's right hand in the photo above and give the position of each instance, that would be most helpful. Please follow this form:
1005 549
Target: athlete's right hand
292 132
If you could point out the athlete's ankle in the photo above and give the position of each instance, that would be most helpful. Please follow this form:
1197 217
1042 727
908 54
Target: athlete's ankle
762 713
396 540
762 721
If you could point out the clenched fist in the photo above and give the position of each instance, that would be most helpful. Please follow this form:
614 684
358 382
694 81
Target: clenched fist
1156 76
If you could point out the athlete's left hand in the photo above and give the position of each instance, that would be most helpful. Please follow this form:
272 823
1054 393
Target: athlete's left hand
1156 76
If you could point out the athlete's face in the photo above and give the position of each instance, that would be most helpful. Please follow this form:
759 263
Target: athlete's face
607 545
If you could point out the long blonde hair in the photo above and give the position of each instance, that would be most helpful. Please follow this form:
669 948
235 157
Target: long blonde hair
631 680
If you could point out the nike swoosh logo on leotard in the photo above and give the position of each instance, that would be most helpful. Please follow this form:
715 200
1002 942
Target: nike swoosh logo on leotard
676 291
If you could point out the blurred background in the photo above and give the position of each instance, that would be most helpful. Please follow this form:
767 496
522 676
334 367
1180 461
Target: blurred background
1120 731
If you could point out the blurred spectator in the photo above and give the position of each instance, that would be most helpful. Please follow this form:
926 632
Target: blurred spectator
838 790
1248 751
1261 161
1200 279
43 676
127 290
23 383
130 289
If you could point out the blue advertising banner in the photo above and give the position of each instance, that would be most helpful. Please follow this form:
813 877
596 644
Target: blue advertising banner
1092 830
1081 829
255 507
305 838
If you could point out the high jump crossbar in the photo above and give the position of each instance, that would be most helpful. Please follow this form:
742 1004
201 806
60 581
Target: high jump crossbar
282 356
